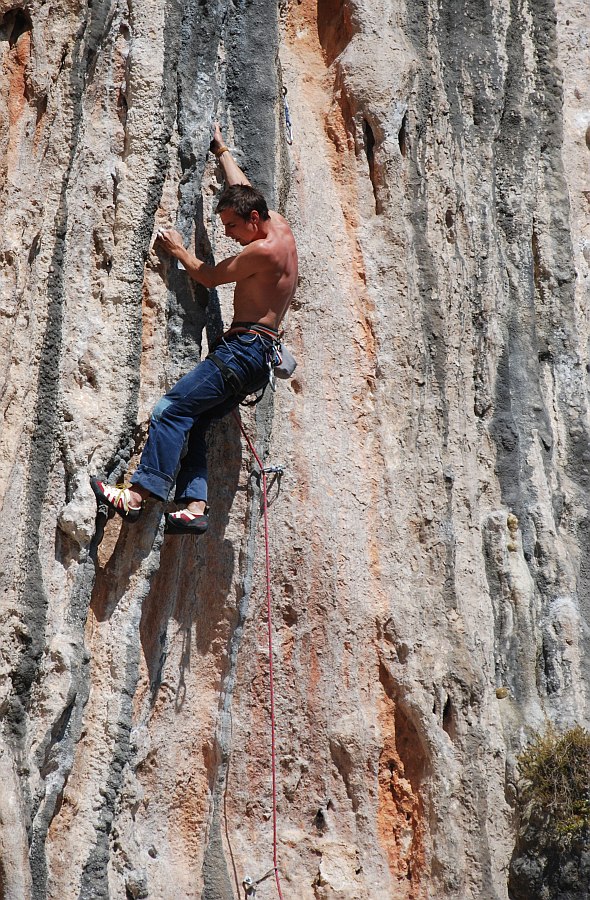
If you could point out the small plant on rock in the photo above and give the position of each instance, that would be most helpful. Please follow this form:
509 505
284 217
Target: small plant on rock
556 768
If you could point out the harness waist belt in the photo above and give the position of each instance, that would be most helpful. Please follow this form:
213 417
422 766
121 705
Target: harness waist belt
254 328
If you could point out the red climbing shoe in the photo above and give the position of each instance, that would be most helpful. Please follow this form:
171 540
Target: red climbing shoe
186 522
117 497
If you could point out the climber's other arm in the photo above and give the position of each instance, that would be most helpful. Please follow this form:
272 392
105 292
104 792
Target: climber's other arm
250 261
231 170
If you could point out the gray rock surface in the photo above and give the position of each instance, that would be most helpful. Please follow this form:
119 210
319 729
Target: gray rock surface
430 536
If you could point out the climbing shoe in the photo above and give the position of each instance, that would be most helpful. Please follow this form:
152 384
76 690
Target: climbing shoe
117 497
185 522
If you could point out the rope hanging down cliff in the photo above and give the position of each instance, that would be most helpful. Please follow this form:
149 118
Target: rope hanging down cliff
263 472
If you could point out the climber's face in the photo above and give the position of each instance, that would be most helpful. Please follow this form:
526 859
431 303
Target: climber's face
241 230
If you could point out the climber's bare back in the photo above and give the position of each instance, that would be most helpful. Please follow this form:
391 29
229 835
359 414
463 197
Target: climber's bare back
265 270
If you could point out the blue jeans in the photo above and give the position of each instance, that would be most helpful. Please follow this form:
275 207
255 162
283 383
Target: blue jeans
182 416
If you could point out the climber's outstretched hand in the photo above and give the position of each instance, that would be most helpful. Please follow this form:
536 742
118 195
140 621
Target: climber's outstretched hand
217 141
170 240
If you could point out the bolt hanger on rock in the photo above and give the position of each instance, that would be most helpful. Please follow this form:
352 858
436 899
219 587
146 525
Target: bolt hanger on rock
250 885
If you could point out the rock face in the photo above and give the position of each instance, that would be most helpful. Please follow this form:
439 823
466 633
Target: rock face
430 538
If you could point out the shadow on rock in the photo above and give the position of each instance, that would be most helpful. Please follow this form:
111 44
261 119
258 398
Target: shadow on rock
134 543
195 573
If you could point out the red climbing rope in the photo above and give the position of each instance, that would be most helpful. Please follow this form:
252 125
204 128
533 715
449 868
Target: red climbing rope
270 666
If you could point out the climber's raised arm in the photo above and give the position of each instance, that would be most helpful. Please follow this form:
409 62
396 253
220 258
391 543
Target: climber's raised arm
231 170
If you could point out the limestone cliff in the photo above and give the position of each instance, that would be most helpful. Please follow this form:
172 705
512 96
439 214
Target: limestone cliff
431 534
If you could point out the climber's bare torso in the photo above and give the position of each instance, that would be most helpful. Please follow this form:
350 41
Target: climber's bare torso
266 269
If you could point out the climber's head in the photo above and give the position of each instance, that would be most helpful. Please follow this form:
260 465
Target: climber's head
244 200
242 210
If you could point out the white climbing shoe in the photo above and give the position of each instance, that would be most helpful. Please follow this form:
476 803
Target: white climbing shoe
186 522
117 497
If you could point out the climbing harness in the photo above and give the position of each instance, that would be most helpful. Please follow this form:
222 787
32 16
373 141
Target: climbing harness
229 376
281 362
248 883
288 123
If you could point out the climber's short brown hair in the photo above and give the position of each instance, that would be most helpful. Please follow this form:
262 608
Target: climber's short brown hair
244 200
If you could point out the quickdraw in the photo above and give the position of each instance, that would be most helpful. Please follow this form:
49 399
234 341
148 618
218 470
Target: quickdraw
288 123
250 885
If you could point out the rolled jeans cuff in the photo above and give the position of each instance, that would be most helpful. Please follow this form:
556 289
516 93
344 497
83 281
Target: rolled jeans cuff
155 482
196 490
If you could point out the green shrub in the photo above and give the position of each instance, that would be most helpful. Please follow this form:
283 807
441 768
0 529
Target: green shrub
557 772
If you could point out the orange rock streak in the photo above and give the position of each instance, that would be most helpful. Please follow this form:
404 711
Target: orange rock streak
400 818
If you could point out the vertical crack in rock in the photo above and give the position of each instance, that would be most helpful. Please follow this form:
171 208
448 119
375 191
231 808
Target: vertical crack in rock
54 768
403 766
541 328
59 748
126 443
44 438
94 881
15 23
47 430
335 28
470 69
94 884
517 374
426 287
198 97
369 141
217 884
522 143
94 875
555 282
251 42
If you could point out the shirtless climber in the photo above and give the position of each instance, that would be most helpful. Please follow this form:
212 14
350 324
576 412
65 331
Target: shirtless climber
265 274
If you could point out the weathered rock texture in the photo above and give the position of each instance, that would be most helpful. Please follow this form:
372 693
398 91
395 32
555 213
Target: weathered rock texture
431 535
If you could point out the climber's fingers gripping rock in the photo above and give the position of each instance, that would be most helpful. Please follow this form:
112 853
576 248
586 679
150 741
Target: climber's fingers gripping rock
170 240
217 140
